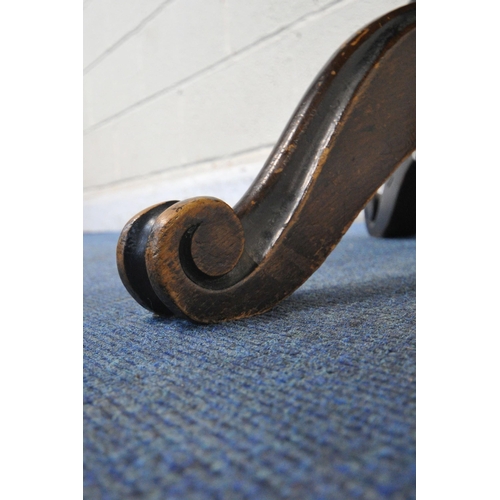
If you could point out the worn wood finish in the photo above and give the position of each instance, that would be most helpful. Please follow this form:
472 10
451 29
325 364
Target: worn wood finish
202 259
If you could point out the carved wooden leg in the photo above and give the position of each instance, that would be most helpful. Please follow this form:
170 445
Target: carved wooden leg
356 124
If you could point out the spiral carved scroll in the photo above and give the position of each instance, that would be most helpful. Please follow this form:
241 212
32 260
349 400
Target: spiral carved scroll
356 124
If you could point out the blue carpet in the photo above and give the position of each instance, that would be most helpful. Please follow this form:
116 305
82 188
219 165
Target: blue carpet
313 400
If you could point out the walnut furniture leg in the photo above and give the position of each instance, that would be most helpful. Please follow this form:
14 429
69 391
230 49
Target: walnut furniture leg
201 259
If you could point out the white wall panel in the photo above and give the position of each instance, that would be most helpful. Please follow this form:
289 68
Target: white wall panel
106 22
200 80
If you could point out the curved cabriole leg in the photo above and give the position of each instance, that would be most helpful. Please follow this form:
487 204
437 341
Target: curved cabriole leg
356 124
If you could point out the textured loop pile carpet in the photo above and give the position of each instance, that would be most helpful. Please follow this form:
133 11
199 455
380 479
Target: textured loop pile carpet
313 400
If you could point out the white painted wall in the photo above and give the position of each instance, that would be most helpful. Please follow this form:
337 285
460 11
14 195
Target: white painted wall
186 97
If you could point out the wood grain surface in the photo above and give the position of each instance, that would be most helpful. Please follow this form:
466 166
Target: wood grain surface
355 125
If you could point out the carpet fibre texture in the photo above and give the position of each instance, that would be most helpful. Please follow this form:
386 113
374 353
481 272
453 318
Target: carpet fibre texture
313 400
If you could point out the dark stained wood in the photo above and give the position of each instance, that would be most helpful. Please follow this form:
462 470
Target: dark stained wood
202 259
392 213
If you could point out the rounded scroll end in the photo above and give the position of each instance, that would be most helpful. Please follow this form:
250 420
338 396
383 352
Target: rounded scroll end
130 258
191 250
217 243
